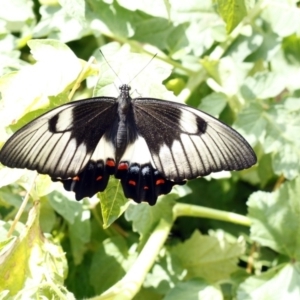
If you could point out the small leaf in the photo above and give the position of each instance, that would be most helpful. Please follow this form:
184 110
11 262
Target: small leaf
232 12
113 202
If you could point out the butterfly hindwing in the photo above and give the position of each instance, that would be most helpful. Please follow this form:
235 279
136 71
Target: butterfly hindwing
139 177
186 143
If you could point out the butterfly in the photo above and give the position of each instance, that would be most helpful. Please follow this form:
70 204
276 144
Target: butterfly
149 144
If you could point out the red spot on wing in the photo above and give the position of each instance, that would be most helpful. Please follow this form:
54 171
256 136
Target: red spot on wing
132 182
76 178
146 187
110 163
160 181
98 178
123 166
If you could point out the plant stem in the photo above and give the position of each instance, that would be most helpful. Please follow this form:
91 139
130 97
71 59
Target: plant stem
131 283
189 210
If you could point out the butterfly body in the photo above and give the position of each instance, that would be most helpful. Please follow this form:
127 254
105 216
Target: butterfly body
149 144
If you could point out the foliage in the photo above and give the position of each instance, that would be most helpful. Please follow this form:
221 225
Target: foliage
238 60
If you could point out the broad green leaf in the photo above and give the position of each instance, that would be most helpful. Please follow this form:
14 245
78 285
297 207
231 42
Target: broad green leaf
58 23
283 16
193 290
56 69
232 12
109 263
275 218
47 216
16 13
31 262
165 273
227 75
68 209
251 123
113 19
9 176
212 258
144 217
213 104
276 127
155 8
265 170
8 199
279 283
74 9
245 44
80 233
286 63
262 86
205 26
268 48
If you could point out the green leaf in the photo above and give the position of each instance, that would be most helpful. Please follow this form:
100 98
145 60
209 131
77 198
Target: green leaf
113 202
262 86
245 45
283 17
194 289
80 233
213 104
212 258
17 13
165 273
282 282
114 255
32 255
67 208
232 12
47 217
75 9
226 75
9 176
276 127
144 217
62 67
204 25
275 218
251 123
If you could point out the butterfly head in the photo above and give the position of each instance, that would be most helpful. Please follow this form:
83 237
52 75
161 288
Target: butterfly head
124 88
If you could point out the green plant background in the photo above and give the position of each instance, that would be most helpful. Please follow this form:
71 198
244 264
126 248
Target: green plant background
227 236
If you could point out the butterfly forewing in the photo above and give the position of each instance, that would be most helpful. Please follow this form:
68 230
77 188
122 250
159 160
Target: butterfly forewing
186 143
61 142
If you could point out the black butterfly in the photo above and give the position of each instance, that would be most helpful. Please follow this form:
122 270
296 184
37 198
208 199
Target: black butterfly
149 144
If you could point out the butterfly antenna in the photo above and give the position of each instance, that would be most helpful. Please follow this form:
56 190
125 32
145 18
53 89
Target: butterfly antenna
110 66
143 67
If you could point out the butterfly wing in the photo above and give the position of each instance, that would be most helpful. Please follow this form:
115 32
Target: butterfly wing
68 143
186 143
